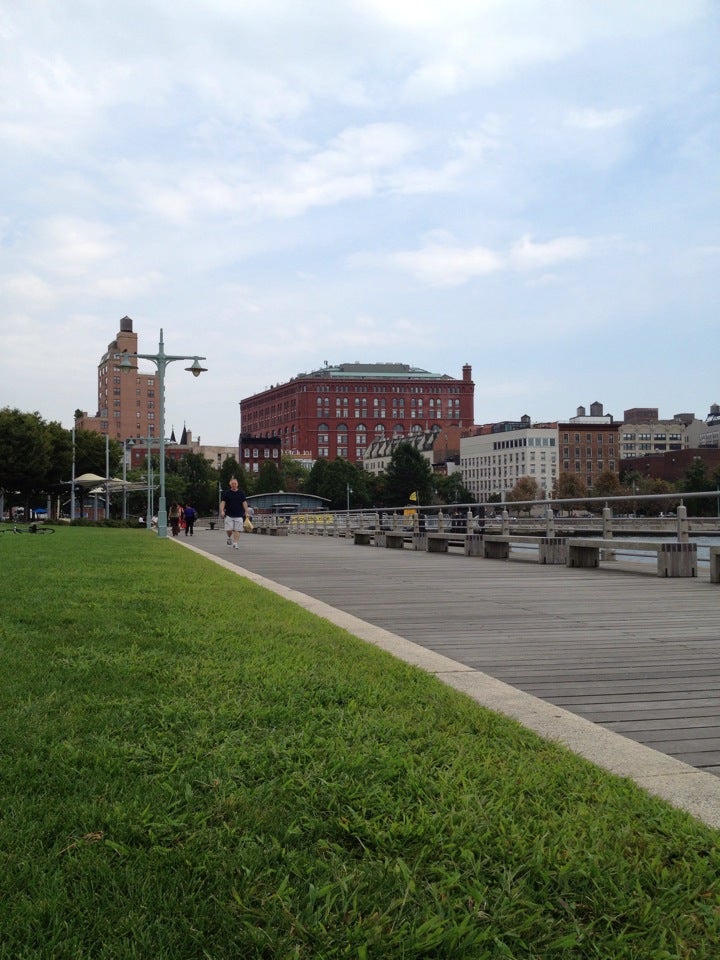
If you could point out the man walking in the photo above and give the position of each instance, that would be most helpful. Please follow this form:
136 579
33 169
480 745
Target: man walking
233 507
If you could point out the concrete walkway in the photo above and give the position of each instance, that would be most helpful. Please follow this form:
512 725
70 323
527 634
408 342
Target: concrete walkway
621 666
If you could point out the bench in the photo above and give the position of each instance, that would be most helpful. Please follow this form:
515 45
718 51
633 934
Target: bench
363 537
439 542
714 564
394 539
673 559
551 550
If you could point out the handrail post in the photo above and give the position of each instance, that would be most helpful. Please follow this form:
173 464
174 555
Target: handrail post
550 525
441 522
683 527
505 522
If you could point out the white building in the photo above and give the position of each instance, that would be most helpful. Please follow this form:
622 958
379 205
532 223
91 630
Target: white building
492 463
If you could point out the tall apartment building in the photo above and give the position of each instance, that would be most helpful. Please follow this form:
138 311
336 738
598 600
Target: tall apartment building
338 410
494 460
127 402
589 445
129 407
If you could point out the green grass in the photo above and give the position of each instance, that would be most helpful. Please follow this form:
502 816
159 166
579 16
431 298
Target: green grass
191 767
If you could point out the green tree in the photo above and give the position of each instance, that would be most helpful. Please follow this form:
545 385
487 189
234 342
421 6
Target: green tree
408 471
200 482
25 455
294 474
697 480
268 479
450 489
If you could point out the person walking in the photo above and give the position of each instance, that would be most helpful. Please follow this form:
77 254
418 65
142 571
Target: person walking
189 514
233 508
174 517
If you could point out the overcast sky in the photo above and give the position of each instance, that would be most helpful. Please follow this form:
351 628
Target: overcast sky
528 186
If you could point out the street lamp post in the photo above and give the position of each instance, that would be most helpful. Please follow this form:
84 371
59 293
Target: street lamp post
161 360
127 445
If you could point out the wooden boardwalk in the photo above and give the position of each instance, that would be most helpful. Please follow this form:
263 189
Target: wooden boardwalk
622 648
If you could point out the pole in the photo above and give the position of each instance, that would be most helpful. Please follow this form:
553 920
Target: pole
107 477
124 515
161 360
72 478
162 507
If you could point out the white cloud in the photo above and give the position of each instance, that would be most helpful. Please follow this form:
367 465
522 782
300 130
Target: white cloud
444 262
591 119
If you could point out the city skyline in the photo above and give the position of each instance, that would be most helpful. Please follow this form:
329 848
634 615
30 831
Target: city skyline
527 187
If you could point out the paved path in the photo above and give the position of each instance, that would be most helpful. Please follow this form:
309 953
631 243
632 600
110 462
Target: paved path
628 652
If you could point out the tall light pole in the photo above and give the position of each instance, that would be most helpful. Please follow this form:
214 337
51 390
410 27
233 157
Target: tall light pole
127 445
161 360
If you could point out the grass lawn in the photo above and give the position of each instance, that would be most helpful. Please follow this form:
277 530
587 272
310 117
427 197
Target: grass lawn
191 767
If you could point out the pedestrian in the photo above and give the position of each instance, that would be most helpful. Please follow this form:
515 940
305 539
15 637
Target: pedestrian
233 508
174 517
189 514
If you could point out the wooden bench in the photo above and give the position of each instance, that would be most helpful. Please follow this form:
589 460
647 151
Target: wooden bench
673 559
551 550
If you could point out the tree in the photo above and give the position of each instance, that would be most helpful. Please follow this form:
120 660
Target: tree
24 454
607 484
268 480
569 486
526 488
336 480
200 482
450 489
407 472
294 474
696 480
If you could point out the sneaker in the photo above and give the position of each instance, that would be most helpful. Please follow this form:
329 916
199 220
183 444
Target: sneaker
235 546
229 542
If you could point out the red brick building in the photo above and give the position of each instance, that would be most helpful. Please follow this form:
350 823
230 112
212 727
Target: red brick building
338 410
589 445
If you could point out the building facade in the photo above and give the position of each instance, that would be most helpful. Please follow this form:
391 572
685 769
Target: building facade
589 445
127 403
338 411
254 451
494 460
129 408
643 432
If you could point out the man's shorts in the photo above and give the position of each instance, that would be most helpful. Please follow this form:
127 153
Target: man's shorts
233 523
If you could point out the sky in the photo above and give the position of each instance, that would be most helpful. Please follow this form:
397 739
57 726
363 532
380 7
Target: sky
528 186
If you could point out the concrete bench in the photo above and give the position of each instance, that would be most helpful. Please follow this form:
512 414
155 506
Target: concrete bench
391 539
714 564
440 542
551 550
363 537
673 559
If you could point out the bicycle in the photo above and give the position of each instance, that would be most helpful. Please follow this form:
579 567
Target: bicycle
31 528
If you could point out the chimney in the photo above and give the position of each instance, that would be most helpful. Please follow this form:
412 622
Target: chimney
467 372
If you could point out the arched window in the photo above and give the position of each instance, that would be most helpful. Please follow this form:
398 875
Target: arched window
342 440
379 431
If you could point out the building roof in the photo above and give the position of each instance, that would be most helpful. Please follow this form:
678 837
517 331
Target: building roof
374 371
